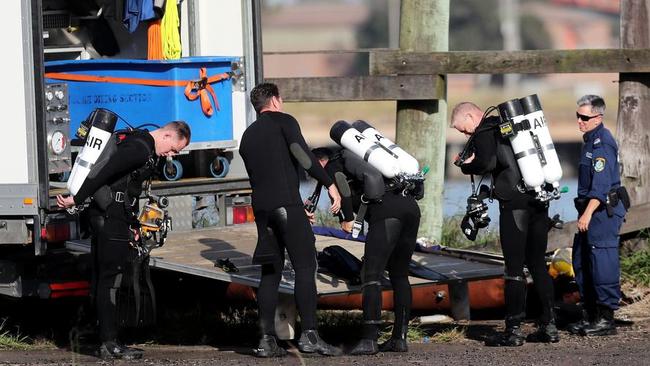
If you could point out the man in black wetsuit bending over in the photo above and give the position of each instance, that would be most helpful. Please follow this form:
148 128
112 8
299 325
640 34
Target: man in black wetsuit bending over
523 226
273 150
114 186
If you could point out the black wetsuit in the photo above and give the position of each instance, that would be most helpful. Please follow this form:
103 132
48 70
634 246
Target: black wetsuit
274 150
111 220
523 223
393 221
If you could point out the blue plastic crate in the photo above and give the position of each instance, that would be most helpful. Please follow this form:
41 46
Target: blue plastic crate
142 104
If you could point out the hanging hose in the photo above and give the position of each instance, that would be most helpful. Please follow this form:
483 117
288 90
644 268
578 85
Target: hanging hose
154 50
171 40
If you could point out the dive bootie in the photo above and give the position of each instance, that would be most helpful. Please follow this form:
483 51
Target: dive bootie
394 345
545 333
268 347
397 340
603 325
311 342
112 350
513 336
365 347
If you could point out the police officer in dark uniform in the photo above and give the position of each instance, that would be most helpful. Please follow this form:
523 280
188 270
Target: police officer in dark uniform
601 205
114 185
393 217
274 151
523 225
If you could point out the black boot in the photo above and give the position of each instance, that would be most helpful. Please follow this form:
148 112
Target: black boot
365 347
603 324
268 347
394 345
112 350
513 336
311 342
576 328
545 333
397 341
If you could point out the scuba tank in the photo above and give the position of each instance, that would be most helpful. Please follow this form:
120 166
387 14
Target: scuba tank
407 163
96 131
548 156
516 128
353 140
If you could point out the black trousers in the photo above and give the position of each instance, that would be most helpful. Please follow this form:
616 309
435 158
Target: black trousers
523 225
111 254
392 232
286 227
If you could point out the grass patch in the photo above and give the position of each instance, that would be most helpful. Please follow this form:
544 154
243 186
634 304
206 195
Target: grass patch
415 334
326 219
204 325
340 326
453 237
635 268
11 341
455 334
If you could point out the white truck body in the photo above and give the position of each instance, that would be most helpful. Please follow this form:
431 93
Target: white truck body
27 206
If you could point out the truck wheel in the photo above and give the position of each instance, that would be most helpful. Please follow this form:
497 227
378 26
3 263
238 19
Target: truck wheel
219 167
173 170
63 176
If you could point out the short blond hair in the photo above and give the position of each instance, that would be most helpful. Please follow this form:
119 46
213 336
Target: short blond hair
463 108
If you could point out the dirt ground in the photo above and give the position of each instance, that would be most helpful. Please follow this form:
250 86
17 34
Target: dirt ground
628 347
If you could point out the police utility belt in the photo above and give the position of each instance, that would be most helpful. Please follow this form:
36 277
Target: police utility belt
614 196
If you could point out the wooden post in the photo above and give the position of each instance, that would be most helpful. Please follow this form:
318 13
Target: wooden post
459 300
421 124
633 125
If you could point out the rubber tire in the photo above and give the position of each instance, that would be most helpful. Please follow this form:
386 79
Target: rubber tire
63 177
178 167
225 167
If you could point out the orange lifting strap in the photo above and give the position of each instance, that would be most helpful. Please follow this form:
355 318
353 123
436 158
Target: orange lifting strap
202 85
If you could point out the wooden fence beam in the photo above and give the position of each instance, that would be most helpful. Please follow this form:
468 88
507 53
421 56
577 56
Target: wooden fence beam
360 88
510 62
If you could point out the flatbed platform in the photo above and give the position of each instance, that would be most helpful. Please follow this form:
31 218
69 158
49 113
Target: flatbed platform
197 251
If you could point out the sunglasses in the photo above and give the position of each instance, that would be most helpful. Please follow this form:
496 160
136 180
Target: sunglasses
584 118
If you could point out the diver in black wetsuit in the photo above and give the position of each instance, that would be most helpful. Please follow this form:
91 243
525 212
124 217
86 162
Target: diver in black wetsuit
523 226
393 220
273 150
114 186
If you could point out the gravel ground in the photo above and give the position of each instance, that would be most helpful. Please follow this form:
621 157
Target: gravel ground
629 347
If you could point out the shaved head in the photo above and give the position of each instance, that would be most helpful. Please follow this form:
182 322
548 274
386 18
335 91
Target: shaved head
461 109
465 117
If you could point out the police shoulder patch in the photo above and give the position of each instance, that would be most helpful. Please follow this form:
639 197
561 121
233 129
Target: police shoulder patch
599 164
